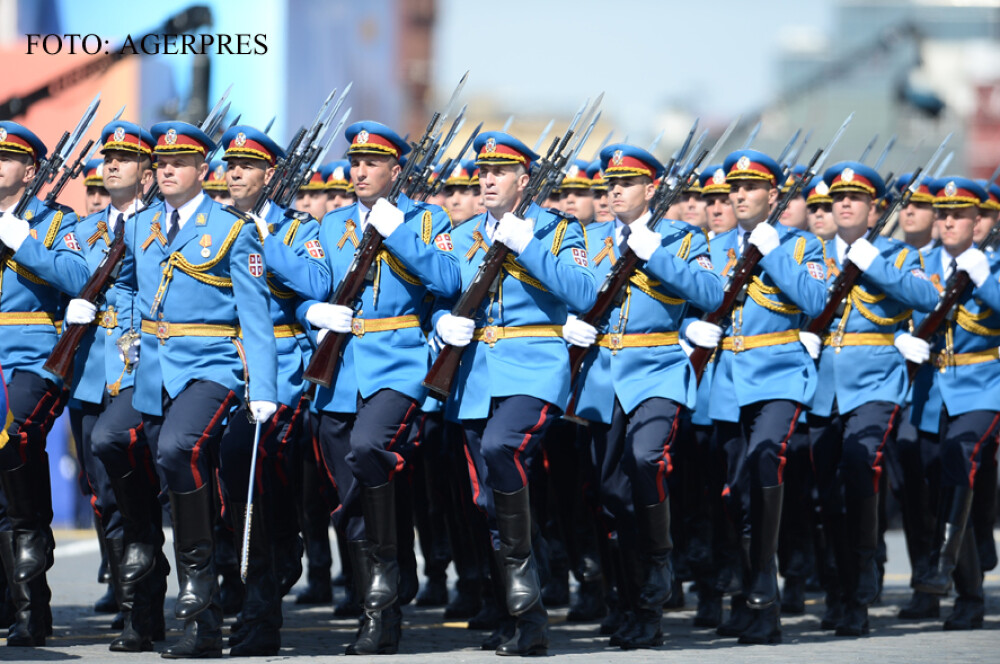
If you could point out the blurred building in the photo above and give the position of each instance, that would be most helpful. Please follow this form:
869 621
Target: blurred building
915 68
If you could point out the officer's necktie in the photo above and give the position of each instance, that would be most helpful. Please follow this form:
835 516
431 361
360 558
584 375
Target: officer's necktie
175 225
626 231
119 221
951 269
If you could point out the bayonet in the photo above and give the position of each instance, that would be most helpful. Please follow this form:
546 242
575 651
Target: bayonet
788 148
722 140
543 136
885 152
868 149
752 136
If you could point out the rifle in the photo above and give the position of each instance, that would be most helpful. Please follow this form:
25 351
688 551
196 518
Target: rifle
850 272
322 368
316 154
442 372
747 265
446 168
60 361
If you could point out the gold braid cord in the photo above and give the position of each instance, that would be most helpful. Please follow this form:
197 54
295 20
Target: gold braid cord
969 322
758 292
50 238
197 272
859 297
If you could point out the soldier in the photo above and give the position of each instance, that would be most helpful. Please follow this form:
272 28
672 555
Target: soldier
339 188
365 416
42 263
819 208
296 272
602 207
214 183
650 378
851 424
692 206
97 197
763 364
715 193
505 403
107 422
196 365
989 213
461 192
918 217
577 197
311 196
795 212
960 389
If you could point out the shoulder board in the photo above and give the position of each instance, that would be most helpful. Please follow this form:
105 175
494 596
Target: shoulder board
427 226
685 248
557 237
293 228
800 249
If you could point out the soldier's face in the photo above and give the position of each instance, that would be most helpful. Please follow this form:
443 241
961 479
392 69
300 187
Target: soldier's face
602 206
501 186
630 196
693 210
821 221
125 172
794 215
97 198
850 210
987 219
579 203
956 226
338 199
372 175
180 175
720 213
751 201
15 171
246 177
917 218
461 203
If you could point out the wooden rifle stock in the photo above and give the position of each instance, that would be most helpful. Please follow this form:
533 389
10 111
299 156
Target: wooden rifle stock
322 367
929 326
60 361
442 372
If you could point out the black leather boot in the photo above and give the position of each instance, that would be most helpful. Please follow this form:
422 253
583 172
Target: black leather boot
740 615
969 609
864 520
765 628
379 508
260 617
655 547
28 628
709 611
108 603
504 624
644 629
765 513
529 636
521 585
356 554
192 516
793 596
26 509
132 495
202 638
135 636
315 530
939 581
379 634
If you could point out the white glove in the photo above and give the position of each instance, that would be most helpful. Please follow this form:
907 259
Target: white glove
262 410
579 333
862 253
765 237
80 312
261 226
334 317
455 330
812 343
643 241
974 263
13 231
514 232
706 335
913 349
385 217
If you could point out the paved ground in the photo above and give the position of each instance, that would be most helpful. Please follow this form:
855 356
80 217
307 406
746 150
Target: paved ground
311 635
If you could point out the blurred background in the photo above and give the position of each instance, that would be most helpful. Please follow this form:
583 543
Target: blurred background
917 69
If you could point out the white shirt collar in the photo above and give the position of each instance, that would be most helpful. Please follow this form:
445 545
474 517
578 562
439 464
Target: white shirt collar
491 225
946 259
113 212
620 226
842 248
363 210
185 211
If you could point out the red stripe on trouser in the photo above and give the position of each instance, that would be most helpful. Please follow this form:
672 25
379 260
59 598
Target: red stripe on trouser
784 443
44 403
972 459
261 453
663 466
196 450
524 443
473 476
283 444
402 427
877 465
